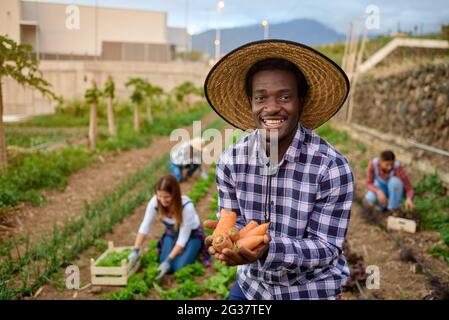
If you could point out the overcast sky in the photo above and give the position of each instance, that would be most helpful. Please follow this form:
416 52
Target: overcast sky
201 14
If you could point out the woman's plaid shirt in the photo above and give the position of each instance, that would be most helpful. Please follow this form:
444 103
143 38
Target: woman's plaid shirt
309 207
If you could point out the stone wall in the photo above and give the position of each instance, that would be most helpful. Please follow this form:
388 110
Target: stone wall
413 104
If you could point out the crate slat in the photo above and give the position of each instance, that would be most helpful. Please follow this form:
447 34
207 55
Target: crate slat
109 281
103 275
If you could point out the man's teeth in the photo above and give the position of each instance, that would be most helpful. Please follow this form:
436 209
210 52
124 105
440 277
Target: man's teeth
273 122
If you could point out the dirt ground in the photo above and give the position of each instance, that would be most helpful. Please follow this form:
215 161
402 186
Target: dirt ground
123 234
399 278
88 184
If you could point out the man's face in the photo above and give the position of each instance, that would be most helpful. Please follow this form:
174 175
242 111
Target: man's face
275 102
386 166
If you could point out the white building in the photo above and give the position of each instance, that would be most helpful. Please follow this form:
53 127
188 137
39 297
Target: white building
79 32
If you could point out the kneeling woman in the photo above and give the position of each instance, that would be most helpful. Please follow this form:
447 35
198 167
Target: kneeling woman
183 239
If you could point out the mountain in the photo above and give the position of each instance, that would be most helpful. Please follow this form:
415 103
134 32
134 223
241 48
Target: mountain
307 31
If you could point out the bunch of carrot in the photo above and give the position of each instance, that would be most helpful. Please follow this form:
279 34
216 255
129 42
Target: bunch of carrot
226 234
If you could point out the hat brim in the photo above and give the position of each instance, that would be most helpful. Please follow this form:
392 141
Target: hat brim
328 85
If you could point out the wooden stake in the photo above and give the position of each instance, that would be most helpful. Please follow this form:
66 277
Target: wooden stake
356 74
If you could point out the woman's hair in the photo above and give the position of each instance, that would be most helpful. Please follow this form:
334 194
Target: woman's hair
170 185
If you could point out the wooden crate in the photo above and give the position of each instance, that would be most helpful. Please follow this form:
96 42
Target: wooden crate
401 224
112 276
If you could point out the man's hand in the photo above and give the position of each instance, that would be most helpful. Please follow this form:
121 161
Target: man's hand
382 198
211 224
244 256
409 204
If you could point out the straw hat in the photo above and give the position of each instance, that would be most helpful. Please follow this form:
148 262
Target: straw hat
225 83
197 143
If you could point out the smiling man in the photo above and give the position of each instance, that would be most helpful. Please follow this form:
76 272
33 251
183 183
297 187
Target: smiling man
283 90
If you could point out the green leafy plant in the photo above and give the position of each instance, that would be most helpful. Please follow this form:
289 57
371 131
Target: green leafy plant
109 93
151 256
124 294
64 245
17 63
137 98
23 179
137 285
217 284
100 245
201 187
187 290
185 89
114 259
172 294
150 273
189 271
335 137
430 184
220 282
92 97
190 289
440 251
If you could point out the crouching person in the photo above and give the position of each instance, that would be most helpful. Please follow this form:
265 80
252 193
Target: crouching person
182 241
388 184
185 160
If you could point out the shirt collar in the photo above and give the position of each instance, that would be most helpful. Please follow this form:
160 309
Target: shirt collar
294 150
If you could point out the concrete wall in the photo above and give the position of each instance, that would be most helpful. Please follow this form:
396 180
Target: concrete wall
180 38
9 19
70 79
96 25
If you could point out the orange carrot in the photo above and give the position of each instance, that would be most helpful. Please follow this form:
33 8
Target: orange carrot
259 230
250 242
211 250
234 234
226 222
210 224
250 226
221 242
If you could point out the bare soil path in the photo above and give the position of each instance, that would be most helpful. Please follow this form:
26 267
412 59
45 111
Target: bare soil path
88 184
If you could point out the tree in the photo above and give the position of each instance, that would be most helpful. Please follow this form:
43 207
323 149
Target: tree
137 98
16 62
158 93
183 90
109 92
445 31
92 96
151 92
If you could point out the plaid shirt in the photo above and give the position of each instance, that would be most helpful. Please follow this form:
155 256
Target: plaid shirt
398 172
310 204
